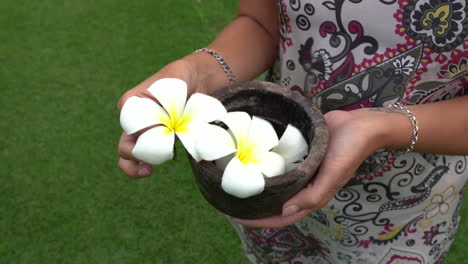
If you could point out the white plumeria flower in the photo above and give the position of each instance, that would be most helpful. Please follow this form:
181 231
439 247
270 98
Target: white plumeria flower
244 152
292 147
175 117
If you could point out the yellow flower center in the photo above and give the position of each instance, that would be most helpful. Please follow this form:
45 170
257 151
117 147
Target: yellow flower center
176 124
246 152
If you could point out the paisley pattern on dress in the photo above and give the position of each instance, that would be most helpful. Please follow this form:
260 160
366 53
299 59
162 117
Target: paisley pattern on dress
349 54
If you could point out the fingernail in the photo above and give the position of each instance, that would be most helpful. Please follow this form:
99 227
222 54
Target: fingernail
143 172
290 210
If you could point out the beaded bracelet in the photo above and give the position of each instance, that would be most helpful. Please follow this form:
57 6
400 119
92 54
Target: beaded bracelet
222 63
414 126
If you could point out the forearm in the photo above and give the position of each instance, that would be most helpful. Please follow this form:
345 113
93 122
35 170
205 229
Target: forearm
248 45
443 127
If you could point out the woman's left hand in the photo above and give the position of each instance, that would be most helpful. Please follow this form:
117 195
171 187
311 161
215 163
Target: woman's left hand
352 138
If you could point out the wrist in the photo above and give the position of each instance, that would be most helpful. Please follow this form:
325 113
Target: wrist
390 128
208 73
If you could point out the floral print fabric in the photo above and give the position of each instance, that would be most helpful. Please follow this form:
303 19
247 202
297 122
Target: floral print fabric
347 54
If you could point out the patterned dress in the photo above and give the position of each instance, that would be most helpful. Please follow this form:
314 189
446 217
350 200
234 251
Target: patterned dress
347 54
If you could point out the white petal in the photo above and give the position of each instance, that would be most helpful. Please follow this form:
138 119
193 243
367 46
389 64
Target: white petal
203 108
138 113
271 164
262 134
239 124
155 146
188 140
292 145
224 161
242 181
213 142
171 93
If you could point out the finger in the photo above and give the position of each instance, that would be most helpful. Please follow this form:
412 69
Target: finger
328 180
307 199
274 221
135 169
126 144
139 91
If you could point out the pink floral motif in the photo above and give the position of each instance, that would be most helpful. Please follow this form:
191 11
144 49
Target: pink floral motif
426 60
430 234
415 79
357 68
403 3
398 15
378 58
441 58
366 63
390 53
400 30
402 48
410 41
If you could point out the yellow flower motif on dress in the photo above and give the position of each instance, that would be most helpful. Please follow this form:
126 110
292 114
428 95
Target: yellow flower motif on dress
440 202
332 228
438 24
438 19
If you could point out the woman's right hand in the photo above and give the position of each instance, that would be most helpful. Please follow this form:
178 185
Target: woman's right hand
127 162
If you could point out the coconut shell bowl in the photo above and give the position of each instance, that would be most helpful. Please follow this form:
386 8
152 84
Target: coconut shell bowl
281 107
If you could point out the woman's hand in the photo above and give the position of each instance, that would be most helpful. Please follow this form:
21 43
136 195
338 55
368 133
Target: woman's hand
178 69
353 137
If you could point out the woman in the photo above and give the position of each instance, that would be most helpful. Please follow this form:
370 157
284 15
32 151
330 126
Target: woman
389 75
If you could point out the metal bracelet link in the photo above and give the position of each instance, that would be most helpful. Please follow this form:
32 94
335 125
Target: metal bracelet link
222 63
414 126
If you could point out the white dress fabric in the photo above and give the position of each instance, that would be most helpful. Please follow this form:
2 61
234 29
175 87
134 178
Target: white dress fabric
347 54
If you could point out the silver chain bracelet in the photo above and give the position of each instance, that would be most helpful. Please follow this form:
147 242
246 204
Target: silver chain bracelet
222 63
414 126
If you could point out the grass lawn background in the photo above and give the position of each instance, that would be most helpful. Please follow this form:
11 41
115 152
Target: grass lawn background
63 66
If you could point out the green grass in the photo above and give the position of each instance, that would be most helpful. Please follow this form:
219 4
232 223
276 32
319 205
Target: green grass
63 66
